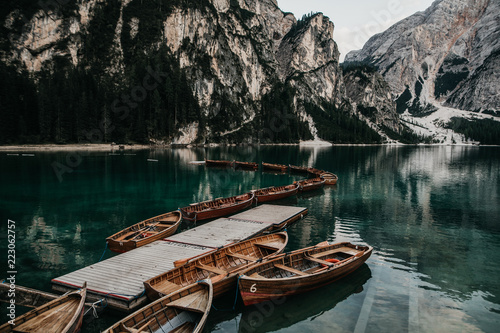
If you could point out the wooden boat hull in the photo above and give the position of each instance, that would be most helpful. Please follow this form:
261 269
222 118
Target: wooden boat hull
219 163
221 266
295 272
141 234
185 310
297 169
246 165
211 209
274 167
61 315
281 192
310 184
315 172
330 178
287 314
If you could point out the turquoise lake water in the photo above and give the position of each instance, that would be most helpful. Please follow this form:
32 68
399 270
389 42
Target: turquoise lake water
432 215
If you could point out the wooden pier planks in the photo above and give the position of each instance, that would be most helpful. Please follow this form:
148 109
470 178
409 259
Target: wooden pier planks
120 278
224 231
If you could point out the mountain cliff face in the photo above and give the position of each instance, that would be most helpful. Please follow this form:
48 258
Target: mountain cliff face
372 98
172 71
447 54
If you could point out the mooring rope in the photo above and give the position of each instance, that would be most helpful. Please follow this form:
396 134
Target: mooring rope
104 252
235 298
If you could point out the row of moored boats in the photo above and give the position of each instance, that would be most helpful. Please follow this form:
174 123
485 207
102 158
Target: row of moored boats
330 178
182 297
165 225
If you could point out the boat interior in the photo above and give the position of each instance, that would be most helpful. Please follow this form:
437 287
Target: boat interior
51 319
303 264
181 315
221 263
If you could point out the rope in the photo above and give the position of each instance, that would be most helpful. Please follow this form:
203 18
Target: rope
93 308
104 252
235 297
237 291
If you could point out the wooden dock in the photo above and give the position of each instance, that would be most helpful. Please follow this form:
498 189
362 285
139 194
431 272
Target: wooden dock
120 279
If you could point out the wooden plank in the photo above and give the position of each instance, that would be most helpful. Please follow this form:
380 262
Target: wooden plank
244 257
344 249
192 302
266 246
212 269
291 270
273 214
220 232
320 261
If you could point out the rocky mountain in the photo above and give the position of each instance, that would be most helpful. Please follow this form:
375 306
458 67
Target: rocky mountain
172 71
446 55
372 98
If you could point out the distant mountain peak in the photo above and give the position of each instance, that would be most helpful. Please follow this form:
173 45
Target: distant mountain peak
447 53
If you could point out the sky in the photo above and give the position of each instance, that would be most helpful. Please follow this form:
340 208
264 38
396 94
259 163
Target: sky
356 20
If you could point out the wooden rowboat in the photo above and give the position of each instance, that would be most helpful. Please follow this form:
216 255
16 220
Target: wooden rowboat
297 169
300 271
219 163
315 172
274 167
305 307
217 208
246 165
185 310
330 178
145 232
310 184
61 315
221 266
275 193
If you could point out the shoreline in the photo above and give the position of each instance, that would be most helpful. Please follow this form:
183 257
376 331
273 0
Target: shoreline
113 148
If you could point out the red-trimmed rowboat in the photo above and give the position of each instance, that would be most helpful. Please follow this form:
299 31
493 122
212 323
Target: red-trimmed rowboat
310 184
300 271
145 232
219 163
275 193
221 266
274 167
217 208
297 169
246 165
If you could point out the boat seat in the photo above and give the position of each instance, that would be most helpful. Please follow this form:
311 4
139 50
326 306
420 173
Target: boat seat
124 328
166 287
196 302
291 270
256 276
242 256
267 246
344 249
320 261
212 269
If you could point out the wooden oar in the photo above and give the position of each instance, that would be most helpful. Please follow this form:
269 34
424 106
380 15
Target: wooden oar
138 232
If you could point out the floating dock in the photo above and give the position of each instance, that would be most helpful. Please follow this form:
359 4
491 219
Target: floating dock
119 279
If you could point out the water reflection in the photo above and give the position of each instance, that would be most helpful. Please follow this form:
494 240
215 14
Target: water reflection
431 214
309 307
